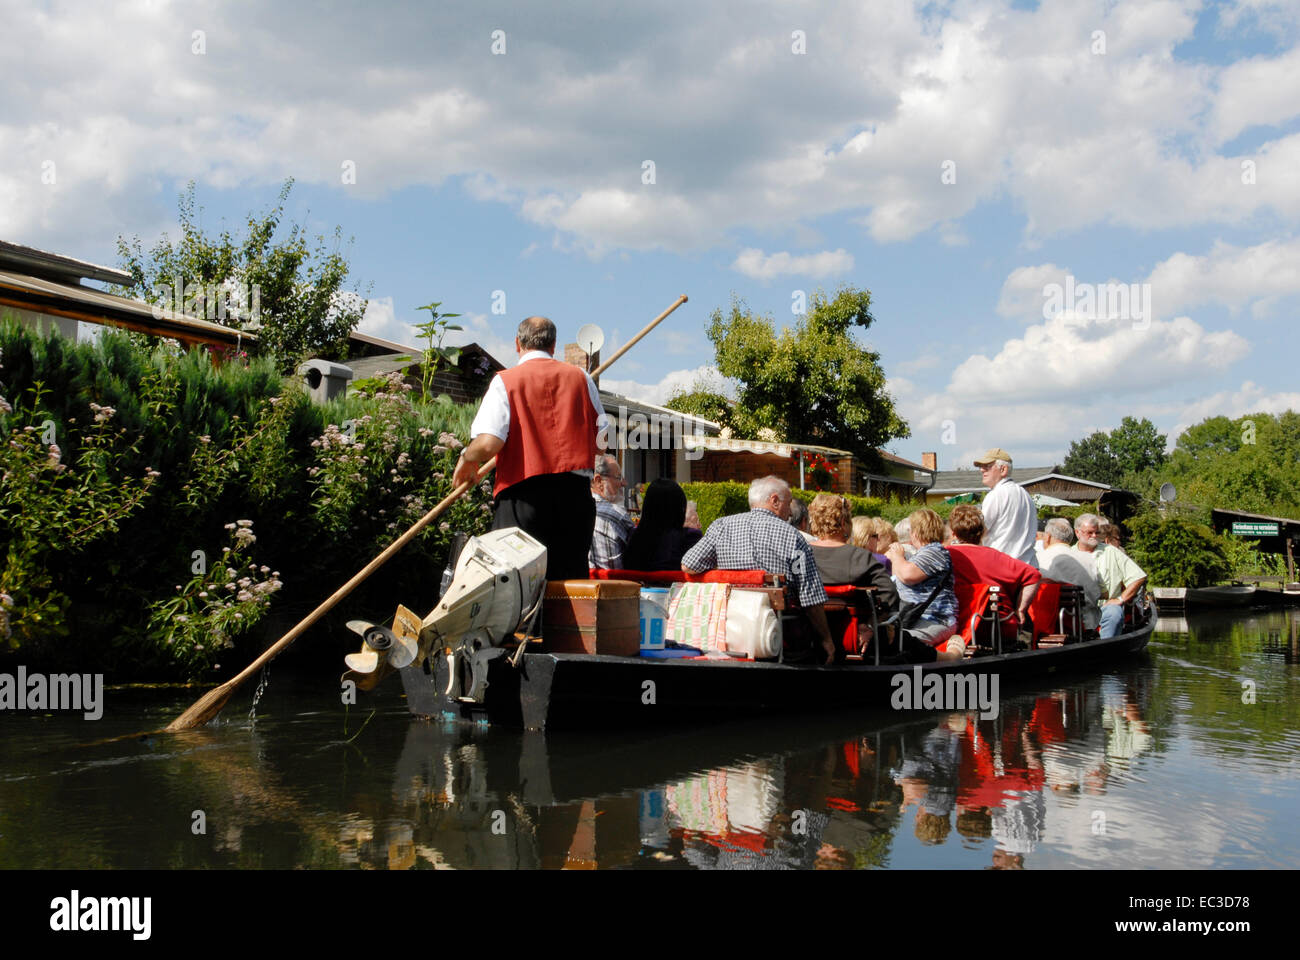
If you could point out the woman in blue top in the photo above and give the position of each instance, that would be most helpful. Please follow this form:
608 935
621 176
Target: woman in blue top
917 578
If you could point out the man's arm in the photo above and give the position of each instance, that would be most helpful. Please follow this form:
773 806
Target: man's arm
992 508
1026 598
817 617
490 429
704 555
1130 591
481 449
602 419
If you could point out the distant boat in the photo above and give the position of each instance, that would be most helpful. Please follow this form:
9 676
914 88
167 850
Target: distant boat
1233 595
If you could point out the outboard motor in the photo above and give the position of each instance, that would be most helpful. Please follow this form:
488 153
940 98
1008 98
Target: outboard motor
498 586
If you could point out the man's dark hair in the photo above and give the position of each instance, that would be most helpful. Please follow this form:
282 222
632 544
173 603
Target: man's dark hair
537 333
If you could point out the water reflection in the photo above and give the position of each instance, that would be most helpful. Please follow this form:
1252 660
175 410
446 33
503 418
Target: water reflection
1184 759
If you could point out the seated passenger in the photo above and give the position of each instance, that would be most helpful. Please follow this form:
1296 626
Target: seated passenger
840 562
927 578
1060 563
866 535
1110 533
973 563
763 539
1121 580
613 524
799 518
661 538
885 534
903 534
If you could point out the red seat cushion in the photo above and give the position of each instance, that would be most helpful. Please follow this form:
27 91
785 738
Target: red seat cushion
741 577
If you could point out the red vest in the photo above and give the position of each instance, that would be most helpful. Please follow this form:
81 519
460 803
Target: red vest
552 422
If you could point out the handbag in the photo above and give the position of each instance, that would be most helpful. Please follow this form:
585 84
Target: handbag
910 613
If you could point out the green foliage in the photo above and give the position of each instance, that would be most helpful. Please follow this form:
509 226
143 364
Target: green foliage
293 290
1177 553
1132 447
810 384
1091 459
704 403
216 605
436 354
1251 464
229 442
47 510
713 500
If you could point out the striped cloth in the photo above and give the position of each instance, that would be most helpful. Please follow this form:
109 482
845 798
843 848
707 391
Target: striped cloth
697 615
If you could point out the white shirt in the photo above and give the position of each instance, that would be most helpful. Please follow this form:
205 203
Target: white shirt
1011 521
494 413
1061 563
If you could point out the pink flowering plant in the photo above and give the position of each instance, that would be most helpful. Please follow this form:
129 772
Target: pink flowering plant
215 606
48 508
383 471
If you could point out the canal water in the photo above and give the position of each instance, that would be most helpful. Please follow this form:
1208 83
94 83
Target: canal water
1183 758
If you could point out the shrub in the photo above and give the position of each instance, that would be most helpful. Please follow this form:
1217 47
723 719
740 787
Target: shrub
1177 553
155 452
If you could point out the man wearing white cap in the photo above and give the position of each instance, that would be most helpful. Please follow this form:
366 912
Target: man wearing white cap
1010 518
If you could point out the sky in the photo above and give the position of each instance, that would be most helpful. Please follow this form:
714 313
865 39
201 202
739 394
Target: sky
1065 212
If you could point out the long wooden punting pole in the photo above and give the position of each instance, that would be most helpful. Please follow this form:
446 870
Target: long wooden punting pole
210 704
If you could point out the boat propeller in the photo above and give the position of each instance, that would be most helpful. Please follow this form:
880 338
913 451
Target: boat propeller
379 645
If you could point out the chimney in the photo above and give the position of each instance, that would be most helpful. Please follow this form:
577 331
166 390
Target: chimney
575 355
930 461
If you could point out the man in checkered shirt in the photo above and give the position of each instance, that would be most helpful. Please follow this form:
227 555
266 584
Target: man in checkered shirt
764 540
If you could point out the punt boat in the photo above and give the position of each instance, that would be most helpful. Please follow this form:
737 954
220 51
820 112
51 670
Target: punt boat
594 691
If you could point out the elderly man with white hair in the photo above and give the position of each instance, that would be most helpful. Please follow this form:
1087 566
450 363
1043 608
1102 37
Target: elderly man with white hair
763 539
1119 577
1010 518
1058 562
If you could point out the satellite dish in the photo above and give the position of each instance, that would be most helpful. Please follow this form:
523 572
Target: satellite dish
1167 492
591 338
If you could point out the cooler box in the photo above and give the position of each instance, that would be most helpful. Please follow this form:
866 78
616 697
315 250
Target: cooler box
654 617
592 616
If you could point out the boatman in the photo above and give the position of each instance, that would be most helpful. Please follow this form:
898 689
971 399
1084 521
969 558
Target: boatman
543 421
1010 519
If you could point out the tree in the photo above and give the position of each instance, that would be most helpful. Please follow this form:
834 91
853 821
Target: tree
1136 445
811 384
1252 463
703 403
1091 459
290 294
1132 447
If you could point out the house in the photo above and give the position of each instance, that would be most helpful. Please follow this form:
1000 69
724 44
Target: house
47 291
465 382
1043 481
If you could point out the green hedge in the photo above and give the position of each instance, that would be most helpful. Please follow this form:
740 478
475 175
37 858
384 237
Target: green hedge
230 443
723 499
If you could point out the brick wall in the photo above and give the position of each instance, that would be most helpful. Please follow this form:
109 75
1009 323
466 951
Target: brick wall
461 387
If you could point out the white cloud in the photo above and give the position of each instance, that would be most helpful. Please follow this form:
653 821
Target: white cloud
762 139
1067 355
659 393
1235 277
380 320
752 262
1250 398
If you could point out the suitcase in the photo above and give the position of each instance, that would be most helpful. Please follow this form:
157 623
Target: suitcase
592 616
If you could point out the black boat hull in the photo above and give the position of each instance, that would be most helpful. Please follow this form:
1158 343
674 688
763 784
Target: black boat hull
561 690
